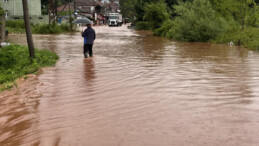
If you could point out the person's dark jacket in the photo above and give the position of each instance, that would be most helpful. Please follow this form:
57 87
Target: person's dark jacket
89 34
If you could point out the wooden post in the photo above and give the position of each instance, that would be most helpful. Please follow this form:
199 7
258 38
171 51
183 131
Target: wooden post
28 28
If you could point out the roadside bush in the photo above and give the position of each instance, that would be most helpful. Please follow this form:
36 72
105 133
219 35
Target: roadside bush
196 21
52 29
47 29
156 13
15 24
143 26
163 30
18 26
16 30
248 38
15 62
65 27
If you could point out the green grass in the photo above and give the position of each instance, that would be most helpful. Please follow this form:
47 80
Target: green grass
17 26
15 30
52 29
15 63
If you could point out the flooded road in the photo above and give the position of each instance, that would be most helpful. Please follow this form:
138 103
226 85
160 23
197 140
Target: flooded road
137 90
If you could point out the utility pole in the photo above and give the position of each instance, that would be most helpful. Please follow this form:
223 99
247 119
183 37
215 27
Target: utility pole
28 28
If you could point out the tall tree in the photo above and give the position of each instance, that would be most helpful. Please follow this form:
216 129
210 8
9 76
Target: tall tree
139 8
240 10
28 28
127 8
172 3
156 13
2 25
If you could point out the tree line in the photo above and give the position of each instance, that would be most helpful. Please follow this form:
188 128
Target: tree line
220 21
57 3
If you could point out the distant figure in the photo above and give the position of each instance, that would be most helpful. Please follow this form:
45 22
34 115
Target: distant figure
89 37
59 21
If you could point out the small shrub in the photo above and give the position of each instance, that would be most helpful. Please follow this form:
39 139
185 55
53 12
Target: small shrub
52 29
65 27
46 29
163 30
15 24
15 62
16 30
6 86
248 38
143 26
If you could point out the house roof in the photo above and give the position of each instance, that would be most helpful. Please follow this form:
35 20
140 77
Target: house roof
112 6
99 3
85 2
84 10
59 9
88 3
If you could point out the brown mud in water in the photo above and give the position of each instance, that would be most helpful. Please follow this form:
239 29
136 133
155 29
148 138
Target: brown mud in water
137 90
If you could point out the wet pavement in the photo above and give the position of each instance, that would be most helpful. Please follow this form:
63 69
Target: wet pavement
137 90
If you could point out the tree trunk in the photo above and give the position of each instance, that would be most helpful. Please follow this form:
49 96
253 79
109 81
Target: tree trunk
70 18
28 28
75 9
2 29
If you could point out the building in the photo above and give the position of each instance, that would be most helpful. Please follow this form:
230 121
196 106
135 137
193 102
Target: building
90 8
108 1
14 8
85 6
97 10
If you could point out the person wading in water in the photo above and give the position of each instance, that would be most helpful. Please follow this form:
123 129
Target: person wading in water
89 37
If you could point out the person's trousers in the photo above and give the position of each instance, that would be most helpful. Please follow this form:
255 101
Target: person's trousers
88 48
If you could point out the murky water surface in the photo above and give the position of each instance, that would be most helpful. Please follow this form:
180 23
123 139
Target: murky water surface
137 90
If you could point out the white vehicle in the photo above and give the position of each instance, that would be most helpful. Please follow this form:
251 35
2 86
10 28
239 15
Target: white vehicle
115 19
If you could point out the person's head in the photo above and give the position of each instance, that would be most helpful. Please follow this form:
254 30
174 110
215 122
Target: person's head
88 25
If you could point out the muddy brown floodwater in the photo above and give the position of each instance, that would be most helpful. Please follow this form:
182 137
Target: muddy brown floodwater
137 90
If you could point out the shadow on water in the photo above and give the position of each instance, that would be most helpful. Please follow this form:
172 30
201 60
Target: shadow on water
89 71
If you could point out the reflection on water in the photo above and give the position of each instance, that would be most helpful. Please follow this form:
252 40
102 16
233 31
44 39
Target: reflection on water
138 90
89 69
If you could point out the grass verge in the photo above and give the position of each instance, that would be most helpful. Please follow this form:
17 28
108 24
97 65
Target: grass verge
15 63
17 26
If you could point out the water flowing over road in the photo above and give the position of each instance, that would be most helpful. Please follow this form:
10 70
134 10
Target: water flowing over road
137 90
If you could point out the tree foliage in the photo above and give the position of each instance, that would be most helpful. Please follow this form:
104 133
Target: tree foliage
156 13
245 12
196 21
45 5
1 11
127 8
